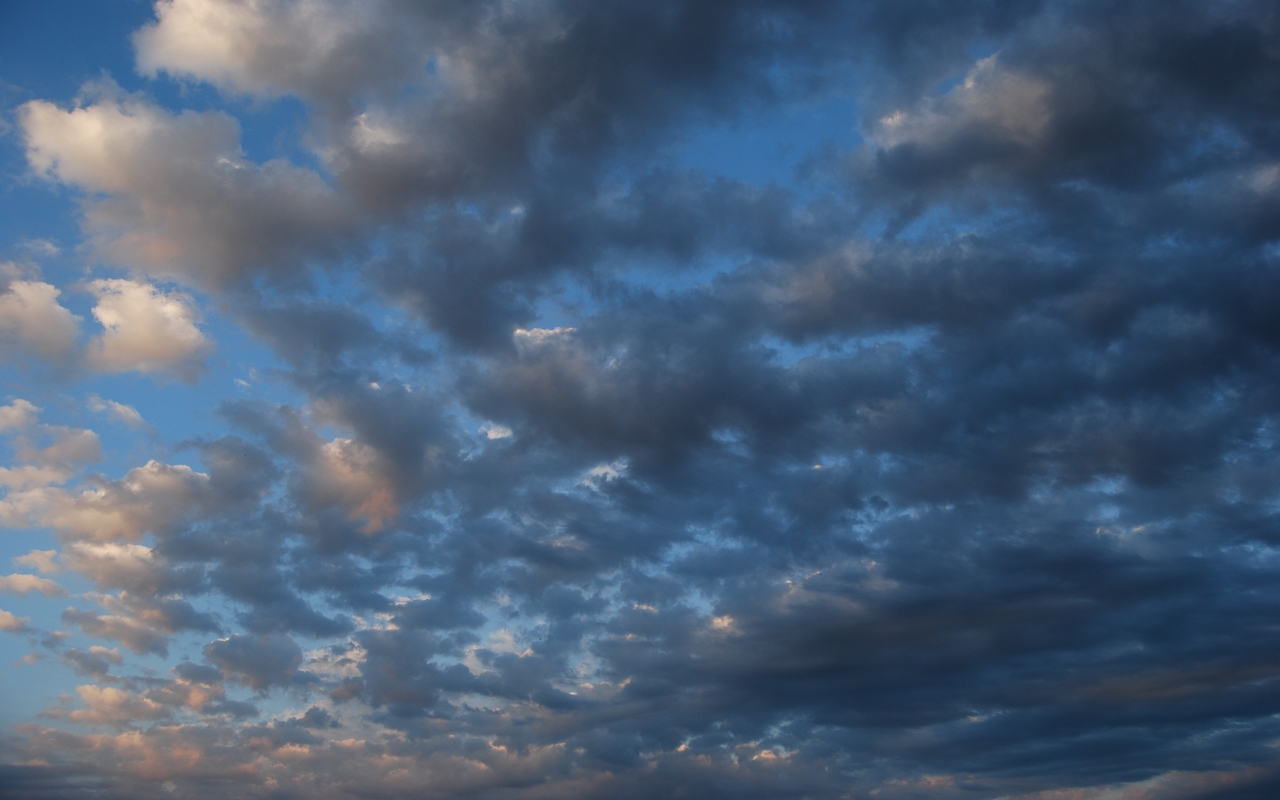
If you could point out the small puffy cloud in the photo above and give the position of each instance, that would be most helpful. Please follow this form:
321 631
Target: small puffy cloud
40 247
259 661
45 561
125 413
348 473
17 415
11 624
112 655
493 430
25 584
96 663
116 565
32 322
145 330
106 705
531 340
153 497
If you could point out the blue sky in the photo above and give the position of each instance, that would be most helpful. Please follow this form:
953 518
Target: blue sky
629 399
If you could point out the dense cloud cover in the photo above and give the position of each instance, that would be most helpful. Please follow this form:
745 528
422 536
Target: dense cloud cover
940 463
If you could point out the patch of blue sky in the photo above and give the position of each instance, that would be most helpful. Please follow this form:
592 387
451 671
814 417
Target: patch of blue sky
769 148
43 612
32 688
50 49
964 215
270 128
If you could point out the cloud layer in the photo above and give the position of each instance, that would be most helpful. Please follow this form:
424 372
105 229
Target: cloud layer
941 465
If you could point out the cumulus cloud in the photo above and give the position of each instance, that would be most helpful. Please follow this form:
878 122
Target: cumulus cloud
141 620
18 415
12 624
65 451
309 48
25 584
68 446
106 705
145 330
34 323
46 561
151 498
182 199
258 661
346 474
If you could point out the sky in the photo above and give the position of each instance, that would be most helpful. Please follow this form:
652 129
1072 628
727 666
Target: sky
529 399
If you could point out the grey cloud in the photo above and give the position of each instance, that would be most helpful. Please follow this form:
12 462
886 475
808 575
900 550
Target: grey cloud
141 623
261 662
137 637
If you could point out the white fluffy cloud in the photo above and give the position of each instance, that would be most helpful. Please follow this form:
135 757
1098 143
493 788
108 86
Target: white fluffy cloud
265 47
181 199
11 624
146 330
152 497
32 321
25 584
17 415
45 561
108 705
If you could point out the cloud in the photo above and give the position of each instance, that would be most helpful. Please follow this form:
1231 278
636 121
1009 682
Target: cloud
67 451
106 705
41 247
95 663
183 202
150 498
114 565
309 48
25 584
33 322
19 414
69 446
11 624
125 413
43 560
140 620
346 474
261 662
146 330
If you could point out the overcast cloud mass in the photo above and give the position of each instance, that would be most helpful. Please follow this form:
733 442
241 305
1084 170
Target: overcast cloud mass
574 399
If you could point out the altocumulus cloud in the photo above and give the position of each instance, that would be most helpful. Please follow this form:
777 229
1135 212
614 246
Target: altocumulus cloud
573 458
